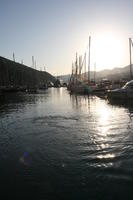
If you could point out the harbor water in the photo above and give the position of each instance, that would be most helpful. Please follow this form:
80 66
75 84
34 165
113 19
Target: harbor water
54 145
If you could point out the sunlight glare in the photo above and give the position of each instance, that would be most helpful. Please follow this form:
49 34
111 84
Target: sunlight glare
103 121
104 114
108 51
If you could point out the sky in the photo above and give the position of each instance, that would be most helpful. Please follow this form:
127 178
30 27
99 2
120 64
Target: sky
54 30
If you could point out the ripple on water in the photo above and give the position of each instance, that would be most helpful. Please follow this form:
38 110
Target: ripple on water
77 147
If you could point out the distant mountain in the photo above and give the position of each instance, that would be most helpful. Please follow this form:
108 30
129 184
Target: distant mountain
114 74
111 74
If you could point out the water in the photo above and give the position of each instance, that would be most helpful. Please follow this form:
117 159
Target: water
57 146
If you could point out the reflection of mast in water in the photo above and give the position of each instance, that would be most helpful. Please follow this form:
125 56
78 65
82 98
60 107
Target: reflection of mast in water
80 102
89 104
73 98
130 108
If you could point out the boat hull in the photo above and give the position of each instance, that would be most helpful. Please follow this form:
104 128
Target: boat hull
80 89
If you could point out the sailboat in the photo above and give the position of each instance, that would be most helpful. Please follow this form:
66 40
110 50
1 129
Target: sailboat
78 81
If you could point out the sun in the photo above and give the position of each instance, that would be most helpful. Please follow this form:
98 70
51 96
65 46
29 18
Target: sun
108 51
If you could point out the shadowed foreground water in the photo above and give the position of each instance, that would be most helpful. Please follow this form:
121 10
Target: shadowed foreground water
57 146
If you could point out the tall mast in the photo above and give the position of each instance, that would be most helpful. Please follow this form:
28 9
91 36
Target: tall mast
89 59
72 75
80 66
85 67
76 65
95 72
130 52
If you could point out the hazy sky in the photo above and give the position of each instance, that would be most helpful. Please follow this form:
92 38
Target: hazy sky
53 30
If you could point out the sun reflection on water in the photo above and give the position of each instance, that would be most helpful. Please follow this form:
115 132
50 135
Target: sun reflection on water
104 114
103 146
100 122
106 156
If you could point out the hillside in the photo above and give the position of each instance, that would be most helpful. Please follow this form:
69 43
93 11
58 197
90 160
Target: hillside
113 74
13 73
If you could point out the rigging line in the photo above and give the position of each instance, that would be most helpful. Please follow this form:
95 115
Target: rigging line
83 61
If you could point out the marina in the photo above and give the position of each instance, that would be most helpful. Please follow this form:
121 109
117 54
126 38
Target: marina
81 83
66 100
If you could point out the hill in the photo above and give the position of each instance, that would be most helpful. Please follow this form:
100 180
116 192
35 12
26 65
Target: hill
16 74
111 74
114 74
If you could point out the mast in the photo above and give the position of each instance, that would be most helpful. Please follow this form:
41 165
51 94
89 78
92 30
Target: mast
85 68
80 66
95 72
72 72
13 56
89 59
130 52
71 75
76 65
33 63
